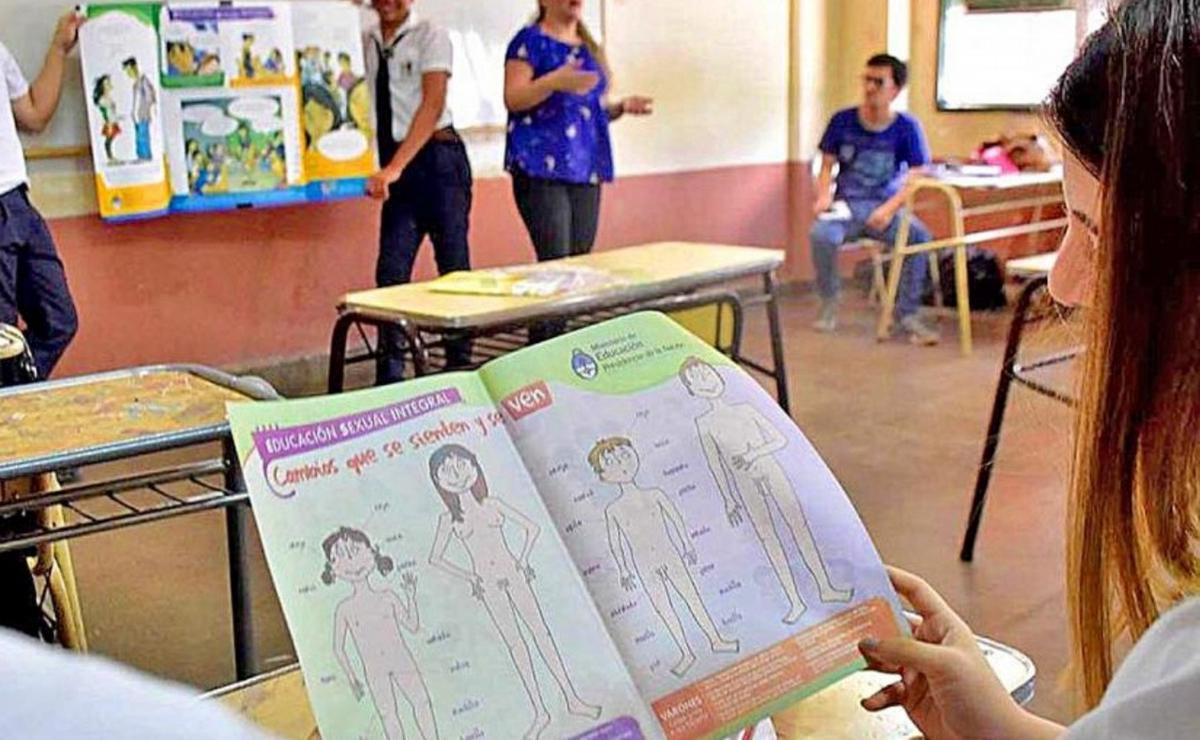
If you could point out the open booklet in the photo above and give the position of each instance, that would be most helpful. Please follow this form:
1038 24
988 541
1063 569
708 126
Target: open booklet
614 534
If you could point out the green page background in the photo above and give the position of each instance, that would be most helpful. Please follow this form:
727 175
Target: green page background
396 505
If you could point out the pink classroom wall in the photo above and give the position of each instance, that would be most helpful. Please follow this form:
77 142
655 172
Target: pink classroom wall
248 287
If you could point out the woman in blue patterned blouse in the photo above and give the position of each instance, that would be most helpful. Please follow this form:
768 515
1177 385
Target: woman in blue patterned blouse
556 83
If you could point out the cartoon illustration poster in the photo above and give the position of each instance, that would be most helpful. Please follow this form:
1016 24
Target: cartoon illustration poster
119 46
336 109
233 143
677 555
198 106
191 46
256 44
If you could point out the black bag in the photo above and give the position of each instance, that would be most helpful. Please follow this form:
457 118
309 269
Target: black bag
985 280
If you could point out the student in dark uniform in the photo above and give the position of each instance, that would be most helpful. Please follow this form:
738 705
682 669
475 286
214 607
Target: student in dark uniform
425 180
33 284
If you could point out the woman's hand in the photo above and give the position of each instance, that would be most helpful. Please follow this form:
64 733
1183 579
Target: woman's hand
572 78
637 105
946 684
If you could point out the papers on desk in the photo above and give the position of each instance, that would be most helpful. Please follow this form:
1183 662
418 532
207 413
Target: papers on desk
536 281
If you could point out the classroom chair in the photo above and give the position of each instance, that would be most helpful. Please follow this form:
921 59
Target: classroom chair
902 249
877 252
55 569
52 566
1034 306
873 249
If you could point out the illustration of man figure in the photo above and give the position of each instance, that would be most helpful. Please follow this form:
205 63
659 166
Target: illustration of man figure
250 63
639 523
740 445
144 99
373 617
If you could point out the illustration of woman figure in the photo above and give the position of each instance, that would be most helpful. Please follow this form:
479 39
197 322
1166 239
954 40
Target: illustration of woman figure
740 445
498 577
358 108
322 113
373 618
102 97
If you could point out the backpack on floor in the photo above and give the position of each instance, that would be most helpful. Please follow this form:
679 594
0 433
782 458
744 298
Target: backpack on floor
985 280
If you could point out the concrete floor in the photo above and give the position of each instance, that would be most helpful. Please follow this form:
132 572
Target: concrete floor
901 426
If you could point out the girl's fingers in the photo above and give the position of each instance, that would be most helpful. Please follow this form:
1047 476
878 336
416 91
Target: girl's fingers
889 696
917 592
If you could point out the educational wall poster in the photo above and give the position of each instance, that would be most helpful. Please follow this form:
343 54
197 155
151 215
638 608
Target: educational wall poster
233 143
336 108
212 114
191 46
614 534
120 71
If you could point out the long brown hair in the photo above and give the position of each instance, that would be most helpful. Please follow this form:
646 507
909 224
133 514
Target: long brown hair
450 498
1129 109
589 41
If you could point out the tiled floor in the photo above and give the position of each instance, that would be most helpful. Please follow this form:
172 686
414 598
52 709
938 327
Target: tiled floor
901 426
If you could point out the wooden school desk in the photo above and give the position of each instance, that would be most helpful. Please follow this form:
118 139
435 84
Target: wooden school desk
652 272
124 416
989 196
278 702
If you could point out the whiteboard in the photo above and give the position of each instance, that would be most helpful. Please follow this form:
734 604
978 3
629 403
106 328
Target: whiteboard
26 28
480 30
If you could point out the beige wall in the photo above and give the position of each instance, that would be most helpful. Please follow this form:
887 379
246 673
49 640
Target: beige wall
719 75
857 29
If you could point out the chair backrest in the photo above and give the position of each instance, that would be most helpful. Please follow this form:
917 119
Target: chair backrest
714 317
16 361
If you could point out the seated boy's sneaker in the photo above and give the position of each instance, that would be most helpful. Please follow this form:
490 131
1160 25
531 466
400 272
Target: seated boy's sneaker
826 322
918 333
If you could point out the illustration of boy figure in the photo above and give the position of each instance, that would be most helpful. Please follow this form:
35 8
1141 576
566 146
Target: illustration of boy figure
144 99
740 445
310 66
639 523
373 617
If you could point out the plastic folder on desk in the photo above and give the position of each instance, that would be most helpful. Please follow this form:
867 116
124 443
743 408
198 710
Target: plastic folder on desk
537 281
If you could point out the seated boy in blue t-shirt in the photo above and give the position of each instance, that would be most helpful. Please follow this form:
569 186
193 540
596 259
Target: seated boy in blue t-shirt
876 150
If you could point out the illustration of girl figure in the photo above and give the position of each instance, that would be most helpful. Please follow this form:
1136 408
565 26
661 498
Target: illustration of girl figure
500 579
373 617
740 445
102 97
